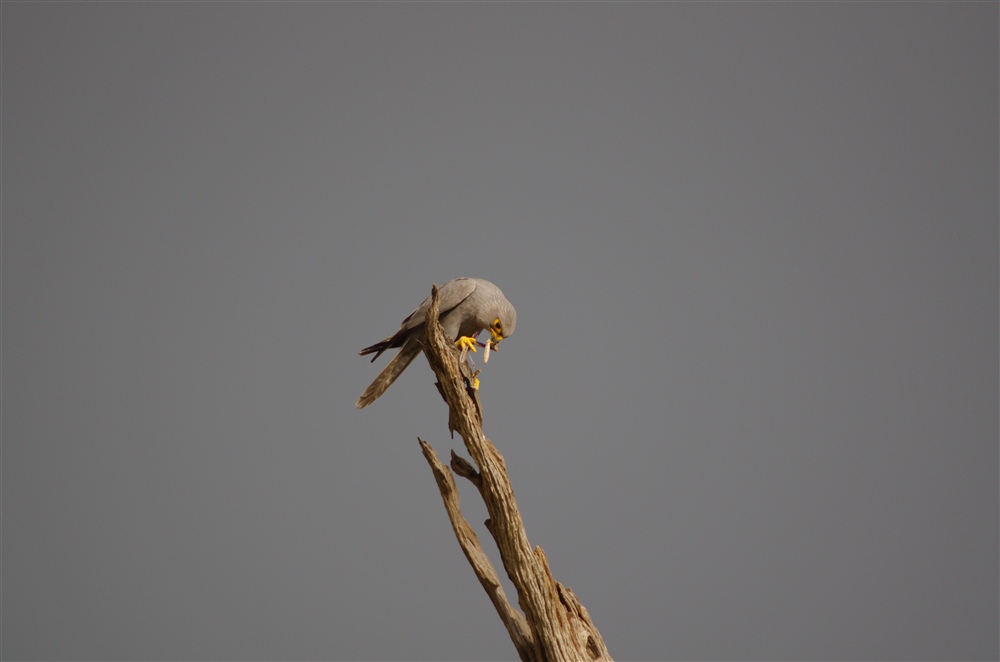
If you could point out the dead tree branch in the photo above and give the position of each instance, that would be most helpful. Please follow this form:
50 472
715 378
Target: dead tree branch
554 625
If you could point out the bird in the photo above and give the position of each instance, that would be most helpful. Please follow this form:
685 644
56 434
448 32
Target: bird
468 306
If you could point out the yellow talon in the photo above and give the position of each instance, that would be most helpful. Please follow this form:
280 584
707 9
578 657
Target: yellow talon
466 342
475 381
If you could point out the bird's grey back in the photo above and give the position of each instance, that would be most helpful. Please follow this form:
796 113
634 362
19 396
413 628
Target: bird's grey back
465 301
491 303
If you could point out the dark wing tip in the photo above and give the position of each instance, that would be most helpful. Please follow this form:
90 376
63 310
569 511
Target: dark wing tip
375 349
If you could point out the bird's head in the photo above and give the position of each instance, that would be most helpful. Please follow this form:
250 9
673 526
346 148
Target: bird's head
503 323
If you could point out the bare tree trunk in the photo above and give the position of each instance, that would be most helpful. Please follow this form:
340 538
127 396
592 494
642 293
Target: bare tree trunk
554 625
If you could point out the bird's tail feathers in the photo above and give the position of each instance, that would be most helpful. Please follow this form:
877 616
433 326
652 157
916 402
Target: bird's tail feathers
395 368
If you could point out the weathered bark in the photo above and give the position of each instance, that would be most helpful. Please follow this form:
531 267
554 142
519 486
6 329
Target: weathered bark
554 625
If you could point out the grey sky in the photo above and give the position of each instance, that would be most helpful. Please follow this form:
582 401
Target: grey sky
751 407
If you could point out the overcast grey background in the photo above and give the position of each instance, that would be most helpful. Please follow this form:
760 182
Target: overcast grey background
751 407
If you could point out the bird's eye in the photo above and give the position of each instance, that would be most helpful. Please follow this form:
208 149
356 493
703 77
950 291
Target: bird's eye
497 325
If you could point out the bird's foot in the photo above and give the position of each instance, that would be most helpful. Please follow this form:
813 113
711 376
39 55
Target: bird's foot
475 381
465 343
